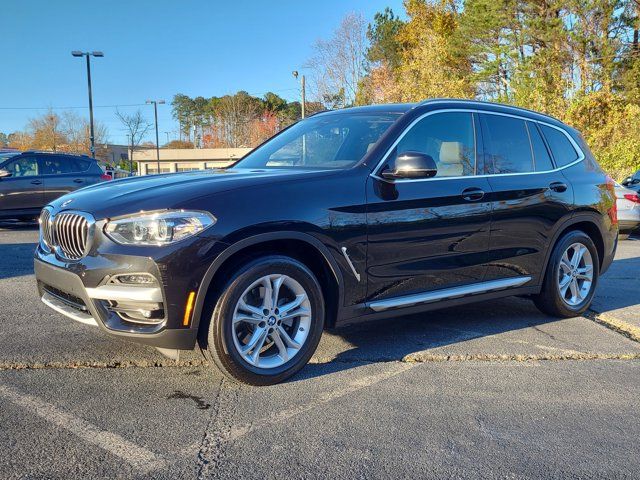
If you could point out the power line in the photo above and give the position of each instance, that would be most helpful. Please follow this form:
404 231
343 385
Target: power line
71 108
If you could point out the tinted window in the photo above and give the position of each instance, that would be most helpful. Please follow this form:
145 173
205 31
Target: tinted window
52 165
506 143
22 167
541 155
561 148
448 138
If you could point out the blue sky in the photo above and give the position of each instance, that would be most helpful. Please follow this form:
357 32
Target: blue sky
154 49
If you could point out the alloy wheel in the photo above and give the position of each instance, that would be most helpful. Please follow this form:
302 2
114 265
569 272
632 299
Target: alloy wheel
271 321
575 275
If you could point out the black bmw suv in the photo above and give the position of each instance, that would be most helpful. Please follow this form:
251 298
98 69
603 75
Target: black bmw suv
345 216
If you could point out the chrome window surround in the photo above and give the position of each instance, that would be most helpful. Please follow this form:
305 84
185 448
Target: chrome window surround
55 247
386 156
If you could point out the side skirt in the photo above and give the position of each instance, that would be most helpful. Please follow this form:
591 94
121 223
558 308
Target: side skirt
447 293
362 313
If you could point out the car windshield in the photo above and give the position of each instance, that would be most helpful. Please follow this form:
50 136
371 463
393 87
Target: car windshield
325 141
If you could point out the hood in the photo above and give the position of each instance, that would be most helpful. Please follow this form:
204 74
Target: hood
156 192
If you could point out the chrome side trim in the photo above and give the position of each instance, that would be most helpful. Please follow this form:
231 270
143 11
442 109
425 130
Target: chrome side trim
120 293
581 155
447 293
353 268
60 307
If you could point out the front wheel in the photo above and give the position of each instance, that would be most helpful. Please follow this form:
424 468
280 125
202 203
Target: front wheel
267 322
571 277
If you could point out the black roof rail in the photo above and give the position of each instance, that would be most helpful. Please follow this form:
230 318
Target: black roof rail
483 102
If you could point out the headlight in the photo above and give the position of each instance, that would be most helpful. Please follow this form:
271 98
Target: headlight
158 228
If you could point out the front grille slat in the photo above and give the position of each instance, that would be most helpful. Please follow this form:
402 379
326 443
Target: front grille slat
45 226
68 233
75 236
79 240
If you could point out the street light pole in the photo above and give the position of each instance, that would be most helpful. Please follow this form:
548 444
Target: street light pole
155 112
76 53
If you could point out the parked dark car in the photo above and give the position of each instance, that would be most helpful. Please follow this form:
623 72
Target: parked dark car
351 215
30 180
632 181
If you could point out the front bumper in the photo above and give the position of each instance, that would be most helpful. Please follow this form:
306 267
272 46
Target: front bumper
79 290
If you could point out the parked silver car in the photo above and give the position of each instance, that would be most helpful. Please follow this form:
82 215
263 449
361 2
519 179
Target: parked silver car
628 203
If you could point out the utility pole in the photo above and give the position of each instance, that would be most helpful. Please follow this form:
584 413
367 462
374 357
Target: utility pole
77 53
302 92
130 146
167 136
155 112
303 95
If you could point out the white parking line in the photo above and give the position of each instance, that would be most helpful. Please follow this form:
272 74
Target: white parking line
140 458
242 430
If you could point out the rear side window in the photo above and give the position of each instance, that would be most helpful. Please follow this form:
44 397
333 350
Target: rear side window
506 144
448 138
541 155
561 148
59 165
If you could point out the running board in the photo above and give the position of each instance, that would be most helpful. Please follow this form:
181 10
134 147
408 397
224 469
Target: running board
447 293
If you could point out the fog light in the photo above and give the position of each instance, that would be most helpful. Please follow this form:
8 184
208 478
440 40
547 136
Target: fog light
134 279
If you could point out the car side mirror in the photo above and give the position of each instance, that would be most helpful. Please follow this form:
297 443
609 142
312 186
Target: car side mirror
411 165
4 173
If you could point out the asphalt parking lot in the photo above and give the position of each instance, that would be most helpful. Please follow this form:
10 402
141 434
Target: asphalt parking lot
492 390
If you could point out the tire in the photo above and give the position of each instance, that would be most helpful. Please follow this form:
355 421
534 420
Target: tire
227 338
550 300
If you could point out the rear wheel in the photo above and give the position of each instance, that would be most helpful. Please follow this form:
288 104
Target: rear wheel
571 278
267 322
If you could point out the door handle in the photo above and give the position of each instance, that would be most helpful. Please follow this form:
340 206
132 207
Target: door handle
472 194
78 180
558 187
36 182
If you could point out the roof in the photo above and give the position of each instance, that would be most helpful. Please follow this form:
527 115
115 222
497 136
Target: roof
453 102
489 106
379 108
68 154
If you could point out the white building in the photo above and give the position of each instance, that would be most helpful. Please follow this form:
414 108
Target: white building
184 160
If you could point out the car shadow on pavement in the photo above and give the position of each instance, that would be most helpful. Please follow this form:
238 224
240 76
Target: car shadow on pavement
13 257
441 332
453 330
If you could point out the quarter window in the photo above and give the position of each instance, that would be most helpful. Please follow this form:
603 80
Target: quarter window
540 153
506 143
561 148
448 138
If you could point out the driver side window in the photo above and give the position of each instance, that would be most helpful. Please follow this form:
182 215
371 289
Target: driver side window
448 138
22 167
